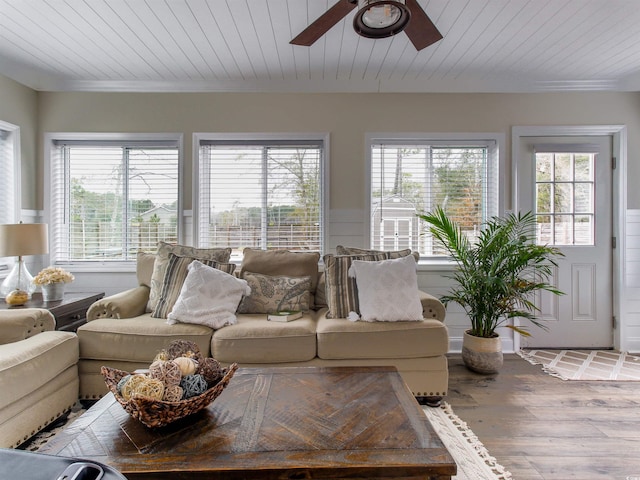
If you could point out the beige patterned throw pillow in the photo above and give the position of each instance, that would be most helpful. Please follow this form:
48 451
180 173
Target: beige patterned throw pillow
283 262
270 294
220 255
174 277
341 290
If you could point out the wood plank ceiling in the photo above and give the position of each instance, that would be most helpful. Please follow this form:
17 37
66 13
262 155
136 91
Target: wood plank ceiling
243 45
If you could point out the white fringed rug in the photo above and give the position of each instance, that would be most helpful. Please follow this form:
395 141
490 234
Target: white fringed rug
586 364
473 460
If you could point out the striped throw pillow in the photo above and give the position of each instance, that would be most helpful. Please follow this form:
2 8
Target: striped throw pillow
341 290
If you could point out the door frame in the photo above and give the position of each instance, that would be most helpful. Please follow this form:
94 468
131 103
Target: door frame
618 134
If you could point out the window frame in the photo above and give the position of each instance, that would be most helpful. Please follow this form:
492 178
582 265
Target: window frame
200 137
50 139
496 166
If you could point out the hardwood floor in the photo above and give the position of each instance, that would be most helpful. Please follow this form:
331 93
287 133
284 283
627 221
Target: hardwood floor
540 427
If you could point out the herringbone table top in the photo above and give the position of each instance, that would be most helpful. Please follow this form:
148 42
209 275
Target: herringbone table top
274 423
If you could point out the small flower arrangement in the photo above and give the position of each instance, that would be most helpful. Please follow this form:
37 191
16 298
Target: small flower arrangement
52 275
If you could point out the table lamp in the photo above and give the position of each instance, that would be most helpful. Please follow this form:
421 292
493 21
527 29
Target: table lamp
18 240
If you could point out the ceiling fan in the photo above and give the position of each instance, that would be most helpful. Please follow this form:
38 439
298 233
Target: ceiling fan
376 19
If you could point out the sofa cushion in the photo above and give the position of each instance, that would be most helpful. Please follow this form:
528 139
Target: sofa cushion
283 262
144 267
136 339
254 339
208 297
220 255
28 364
339 338
174 277
341 250
275 293
387 290
341 290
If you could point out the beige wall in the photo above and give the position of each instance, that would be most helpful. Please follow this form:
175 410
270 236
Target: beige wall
347 117
19 106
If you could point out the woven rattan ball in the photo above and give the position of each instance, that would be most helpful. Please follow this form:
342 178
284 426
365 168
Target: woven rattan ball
193 385
168 373
184 348
173 393
211 370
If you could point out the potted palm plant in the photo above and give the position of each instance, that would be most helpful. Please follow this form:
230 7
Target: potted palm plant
495 279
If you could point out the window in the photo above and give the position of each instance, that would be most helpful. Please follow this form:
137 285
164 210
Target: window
260 193
111 198
565 192
9 180
410 176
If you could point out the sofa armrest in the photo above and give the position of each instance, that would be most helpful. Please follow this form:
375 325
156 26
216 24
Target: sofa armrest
128 304
432 307
19 324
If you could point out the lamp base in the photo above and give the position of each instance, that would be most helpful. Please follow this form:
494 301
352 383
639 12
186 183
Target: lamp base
19 278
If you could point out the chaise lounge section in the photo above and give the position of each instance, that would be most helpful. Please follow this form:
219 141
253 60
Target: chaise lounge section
38 373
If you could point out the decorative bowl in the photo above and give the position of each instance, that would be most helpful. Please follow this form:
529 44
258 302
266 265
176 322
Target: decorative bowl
159 413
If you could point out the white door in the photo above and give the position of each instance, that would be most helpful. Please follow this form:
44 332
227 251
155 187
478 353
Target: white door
567 181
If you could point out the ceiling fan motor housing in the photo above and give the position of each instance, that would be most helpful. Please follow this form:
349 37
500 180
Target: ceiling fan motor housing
380 18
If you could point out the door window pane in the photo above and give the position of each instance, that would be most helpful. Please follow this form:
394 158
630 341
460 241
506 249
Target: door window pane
567 178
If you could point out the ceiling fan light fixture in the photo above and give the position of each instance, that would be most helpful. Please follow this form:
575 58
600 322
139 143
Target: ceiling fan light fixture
381 18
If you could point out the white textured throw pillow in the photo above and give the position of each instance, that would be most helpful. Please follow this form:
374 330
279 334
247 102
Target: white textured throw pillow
208 297
387 289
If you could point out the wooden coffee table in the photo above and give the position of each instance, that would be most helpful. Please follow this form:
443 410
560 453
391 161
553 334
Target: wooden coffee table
274 423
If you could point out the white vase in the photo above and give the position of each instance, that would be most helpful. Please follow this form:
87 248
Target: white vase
53 292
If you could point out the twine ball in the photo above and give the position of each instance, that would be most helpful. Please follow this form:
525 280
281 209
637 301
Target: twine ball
173 393
193 385
187 365
141 385
129 387
168 372
211 370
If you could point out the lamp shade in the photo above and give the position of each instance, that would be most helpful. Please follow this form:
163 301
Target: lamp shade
19 239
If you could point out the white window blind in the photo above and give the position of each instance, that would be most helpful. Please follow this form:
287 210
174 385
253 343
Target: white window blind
408 178
260 194
111 199
9 178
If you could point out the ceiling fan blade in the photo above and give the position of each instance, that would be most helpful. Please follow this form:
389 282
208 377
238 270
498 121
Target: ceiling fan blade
324 22
421 30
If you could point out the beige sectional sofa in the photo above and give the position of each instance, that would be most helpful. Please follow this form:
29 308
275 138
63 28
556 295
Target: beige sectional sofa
38 373
122 332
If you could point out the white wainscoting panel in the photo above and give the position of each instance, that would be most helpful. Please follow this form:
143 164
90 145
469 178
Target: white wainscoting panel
630 315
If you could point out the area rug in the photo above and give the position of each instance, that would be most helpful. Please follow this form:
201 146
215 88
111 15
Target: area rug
473 460
586 364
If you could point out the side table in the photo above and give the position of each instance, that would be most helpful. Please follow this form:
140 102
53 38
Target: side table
70 312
